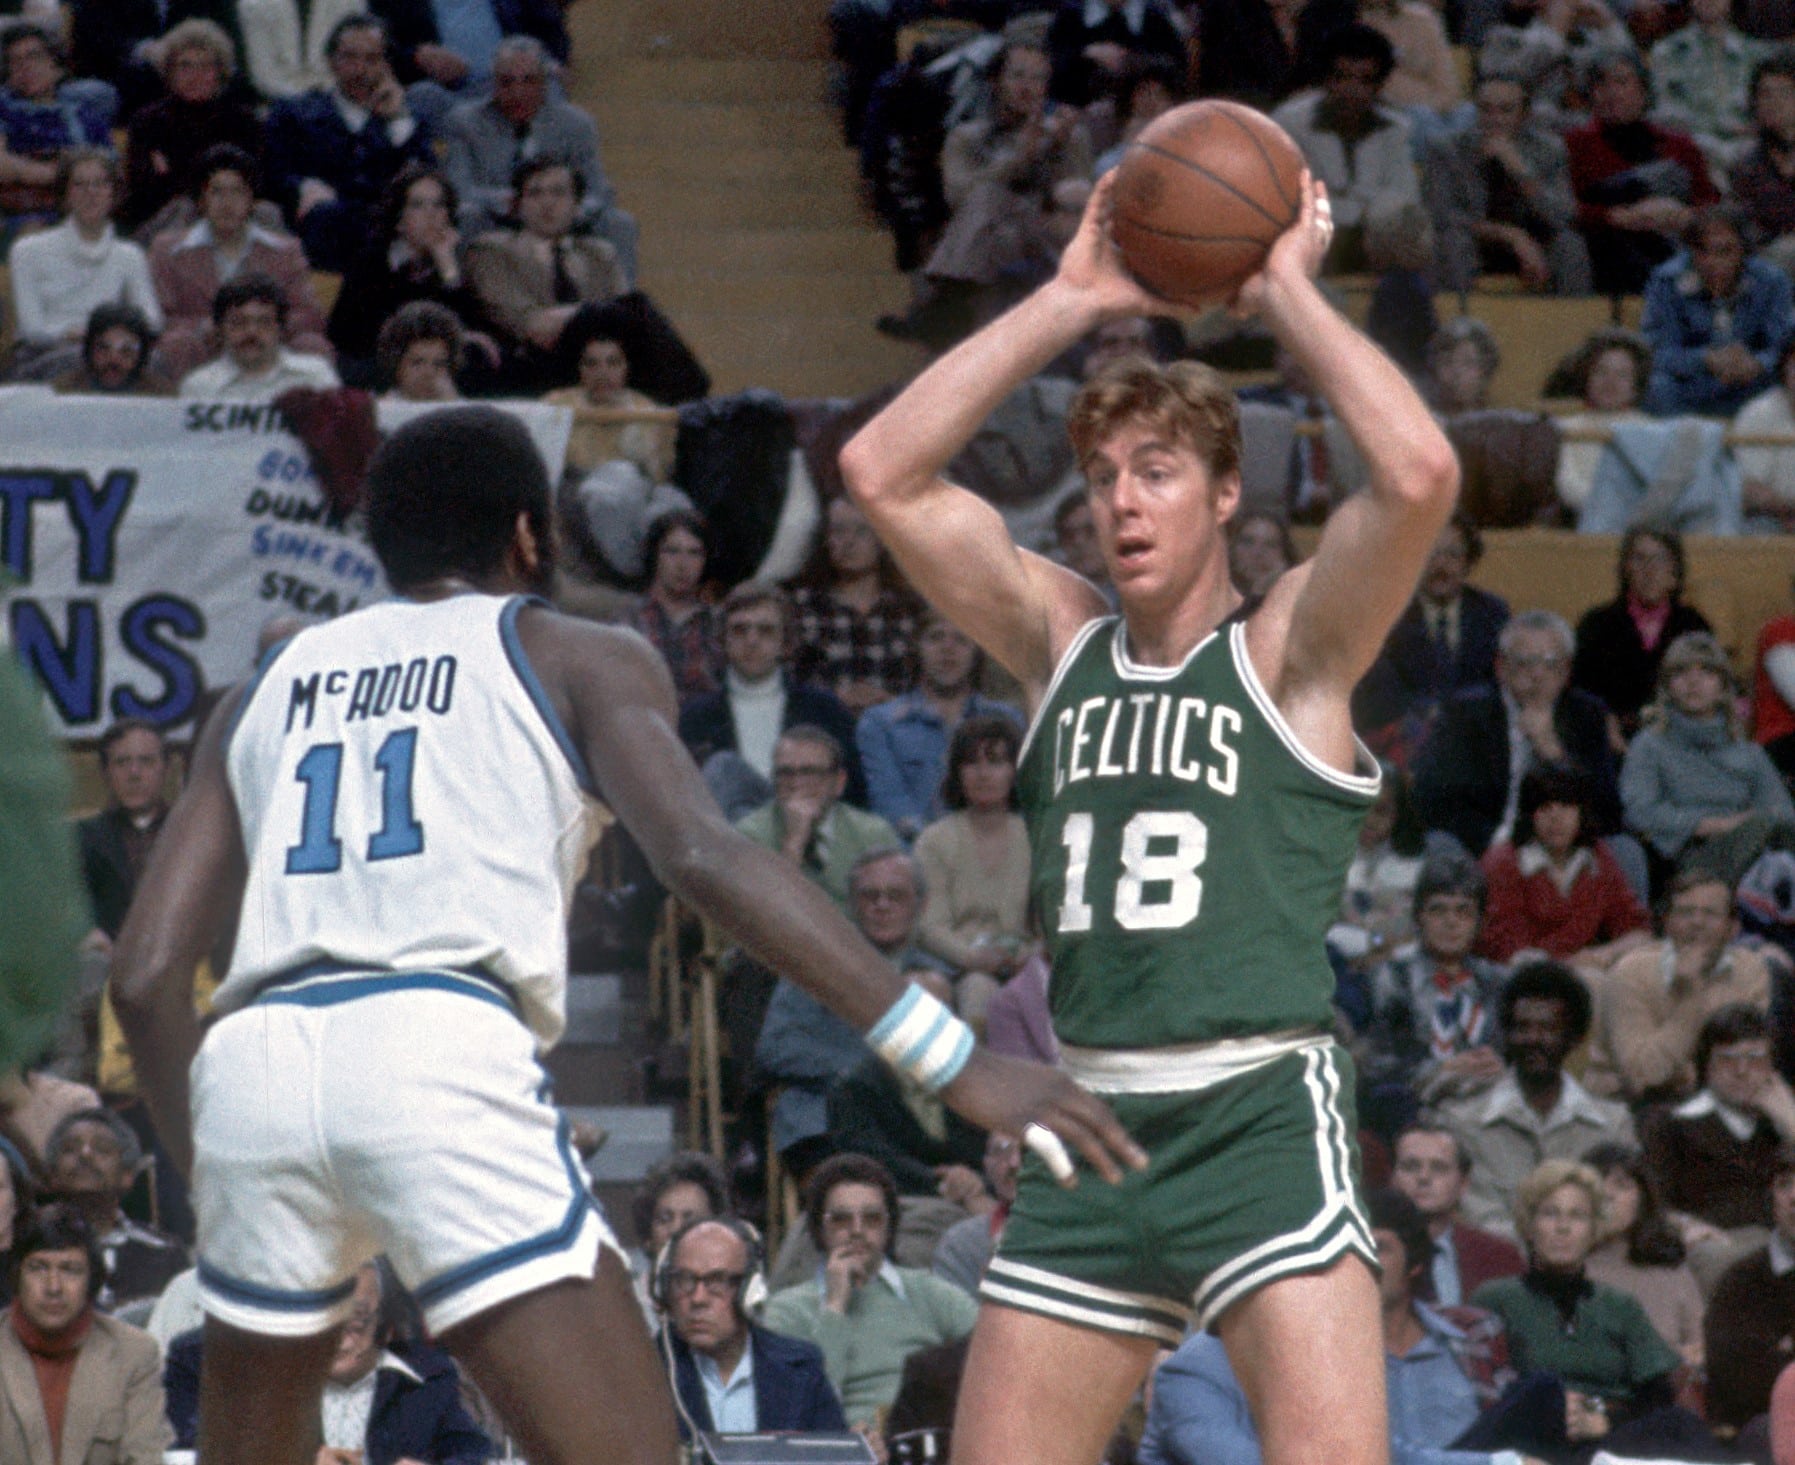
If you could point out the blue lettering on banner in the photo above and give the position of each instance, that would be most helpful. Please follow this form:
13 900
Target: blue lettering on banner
95 515
67 666
145 628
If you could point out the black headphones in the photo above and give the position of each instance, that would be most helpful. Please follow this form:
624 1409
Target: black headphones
753 1289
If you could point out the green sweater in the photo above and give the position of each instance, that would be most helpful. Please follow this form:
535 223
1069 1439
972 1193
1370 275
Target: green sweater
1610 1347
864 1348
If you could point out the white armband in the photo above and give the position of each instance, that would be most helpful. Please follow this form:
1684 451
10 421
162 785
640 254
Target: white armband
919 1037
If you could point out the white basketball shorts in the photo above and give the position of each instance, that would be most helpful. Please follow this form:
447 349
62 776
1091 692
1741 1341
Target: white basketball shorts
346 1114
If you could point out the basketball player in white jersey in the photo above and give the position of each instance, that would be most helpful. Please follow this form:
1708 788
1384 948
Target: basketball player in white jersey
393 815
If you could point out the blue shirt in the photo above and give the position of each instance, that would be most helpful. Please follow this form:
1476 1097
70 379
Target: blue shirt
470 29
903 748
731 1404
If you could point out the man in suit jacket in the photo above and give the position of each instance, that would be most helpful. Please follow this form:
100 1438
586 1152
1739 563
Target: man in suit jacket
332 151
400 1402
1468 774
729 1375
76 1387
1433 1170
1445 640
732 733
115 843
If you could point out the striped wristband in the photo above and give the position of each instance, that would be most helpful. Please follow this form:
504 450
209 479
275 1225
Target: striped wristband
919 1037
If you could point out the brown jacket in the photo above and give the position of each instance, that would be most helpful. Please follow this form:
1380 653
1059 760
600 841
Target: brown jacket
514 279
115 1411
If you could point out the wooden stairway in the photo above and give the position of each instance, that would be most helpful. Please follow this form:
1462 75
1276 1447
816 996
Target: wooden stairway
716 128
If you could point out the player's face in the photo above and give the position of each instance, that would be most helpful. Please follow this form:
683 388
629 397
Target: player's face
1737 1072
702 1284
1447 925
679 1205
1158 515
1427 1173
854 1220
1563 1230
53 1288
135 767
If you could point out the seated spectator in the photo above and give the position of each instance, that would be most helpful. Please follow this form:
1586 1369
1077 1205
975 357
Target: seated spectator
1436 1371
1425 85
1548 46
332 150
287 43
1432 1170
903 742
1260 549
18 1199
1353 143
732 1376
60 275
975 862
1468 774
1749 1334
1536 1111
1015 183
115 357
168 137
419 352
1445 640
1090 46
114 41
1499 195
758 701
42 116
1693 786
78 1386
486 139
188 264
856 620
1621 643
603 366
1462 360
1640 1252
1701 74
676 613
92 1160
250 316
967 1246
685 1187
1767 493
1312 481
1434 1029
1595 1340
1556 888
115 843
384 1399
532 285
1608 372
1714 1155
1657 998
1637 184
460 50
1377 905
413 253
803 1046
1763 182
1075 542
866 1314
806 820
1773 693
1717 320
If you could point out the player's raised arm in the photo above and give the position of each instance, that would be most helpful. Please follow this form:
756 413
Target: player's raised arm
954 546
187 899
1337 612
620 708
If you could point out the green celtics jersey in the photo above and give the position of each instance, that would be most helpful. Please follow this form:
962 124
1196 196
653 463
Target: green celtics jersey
1188 852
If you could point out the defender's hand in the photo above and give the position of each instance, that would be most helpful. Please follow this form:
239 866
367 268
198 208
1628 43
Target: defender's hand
1010 1094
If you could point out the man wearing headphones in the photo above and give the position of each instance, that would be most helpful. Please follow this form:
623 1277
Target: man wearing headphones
730 1376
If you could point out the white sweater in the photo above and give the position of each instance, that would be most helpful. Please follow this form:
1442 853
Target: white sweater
58 278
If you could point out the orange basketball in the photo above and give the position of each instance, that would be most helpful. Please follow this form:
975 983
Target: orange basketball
1201 195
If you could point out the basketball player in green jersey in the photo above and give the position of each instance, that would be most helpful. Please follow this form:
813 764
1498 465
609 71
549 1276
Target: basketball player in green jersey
1193 787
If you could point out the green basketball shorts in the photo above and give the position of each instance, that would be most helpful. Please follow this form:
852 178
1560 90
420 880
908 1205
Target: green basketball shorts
1251 1178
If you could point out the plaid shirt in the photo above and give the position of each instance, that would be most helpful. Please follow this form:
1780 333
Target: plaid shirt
836 643
692 649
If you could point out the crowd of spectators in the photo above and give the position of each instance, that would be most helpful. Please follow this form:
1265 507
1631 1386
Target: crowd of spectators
1571 1020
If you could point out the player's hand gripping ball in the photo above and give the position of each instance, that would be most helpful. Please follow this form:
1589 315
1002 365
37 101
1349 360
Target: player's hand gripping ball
1200 197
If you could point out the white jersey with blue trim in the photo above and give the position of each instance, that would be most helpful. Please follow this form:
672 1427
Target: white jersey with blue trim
409 801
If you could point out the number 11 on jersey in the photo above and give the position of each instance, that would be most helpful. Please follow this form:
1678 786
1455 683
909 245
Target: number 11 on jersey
320 851
1174 869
